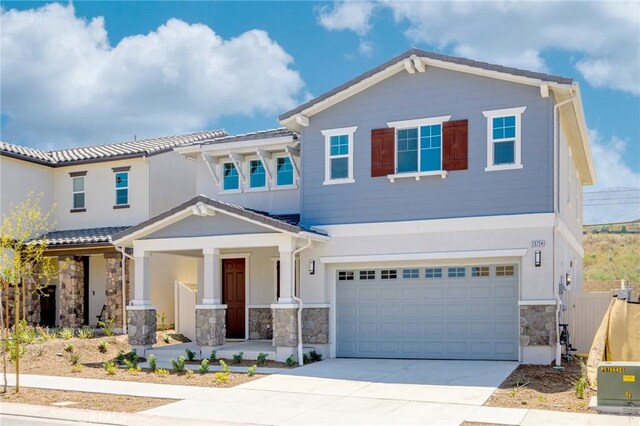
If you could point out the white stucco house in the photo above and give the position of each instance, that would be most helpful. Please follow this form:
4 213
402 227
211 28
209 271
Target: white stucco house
428 208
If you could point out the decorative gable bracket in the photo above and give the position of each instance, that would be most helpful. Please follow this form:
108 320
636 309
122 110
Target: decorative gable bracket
237 161
211 162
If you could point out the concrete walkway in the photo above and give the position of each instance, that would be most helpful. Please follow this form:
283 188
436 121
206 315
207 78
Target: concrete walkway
345 392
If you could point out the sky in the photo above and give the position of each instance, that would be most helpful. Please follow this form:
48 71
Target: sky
92 72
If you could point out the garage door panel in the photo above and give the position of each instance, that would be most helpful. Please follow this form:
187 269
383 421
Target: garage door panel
368 294
389 293
480 310
412 311
431 291
433 311
457 291
390 328
481 329
433 329
389 311
367 311
481 349
505 291
347 329
411 329
456 310
481 291
457 329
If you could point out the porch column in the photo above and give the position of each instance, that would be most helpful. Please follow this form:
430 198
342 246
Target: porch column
71 278
286 273
141 314
285 312
211 326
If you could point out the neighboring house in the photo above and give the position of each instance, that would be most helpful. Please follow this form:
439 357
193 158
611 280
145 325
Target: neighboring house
98 191
429 208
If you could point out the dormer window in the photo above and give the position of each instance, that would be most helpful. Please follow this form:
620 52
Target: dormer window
284 171
230 177
257 174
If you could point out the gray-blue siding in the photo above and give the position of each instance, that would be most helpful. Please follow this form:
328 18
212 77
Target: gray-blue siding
472 192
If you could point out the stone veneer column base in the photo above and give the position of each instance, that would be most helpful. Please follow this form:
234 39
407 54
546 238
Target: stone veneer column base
538 325
113 287
71 291
260 324
211 325
315 325
141 327
285 330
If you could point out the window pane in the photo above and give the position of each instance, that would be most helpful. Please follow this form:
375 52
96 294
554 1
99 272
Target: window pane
345 276
78 200
122 180
410 273
78 184
389 274
230 179
503 152
455 272
339 168
122 196
407 150
339 145
284 174
433 273
257 176
367 275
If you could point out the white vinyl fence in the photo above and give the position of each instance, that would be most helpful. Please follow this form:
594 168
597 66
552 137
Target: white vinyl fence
185 309
584 315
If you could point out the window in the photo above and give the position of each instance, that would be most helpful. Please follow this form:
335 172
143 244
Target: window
419 144
230 177
345 276
78 192
122 188
479 271
455 272
433 273
284 171
257 174
339 155
505 271
389 274
367 275
503 139
410 273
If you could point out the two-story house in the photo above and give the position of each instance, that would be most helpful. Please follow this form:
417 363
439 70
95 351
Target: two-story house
429 208
96 192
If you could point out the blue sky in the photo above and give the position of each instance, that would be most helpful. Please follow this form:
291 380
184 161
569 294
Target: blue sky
99 72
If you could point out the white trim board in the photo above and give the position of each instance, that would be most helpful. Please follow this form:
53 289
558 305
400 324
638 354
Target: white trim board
468 254
536 302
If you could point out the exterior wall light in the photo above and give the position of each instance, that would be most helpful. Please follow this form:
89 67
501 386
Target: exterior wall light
312 267
568 278
538 258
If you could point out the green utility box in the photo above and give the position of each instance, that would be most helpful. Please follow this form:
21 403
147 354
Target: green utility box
619 384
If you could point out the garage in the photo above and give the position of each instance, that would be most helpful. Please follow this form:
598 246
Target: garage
453 312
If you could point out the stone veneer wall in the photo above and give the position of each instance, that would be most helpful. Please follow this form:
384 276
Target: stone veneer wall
537 325
285 327
260 324
113 288
141 327
71 292
32 301
211 327
315 325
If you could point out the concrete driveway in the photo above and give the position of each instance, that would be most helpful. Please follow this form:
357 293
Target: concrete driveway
357 391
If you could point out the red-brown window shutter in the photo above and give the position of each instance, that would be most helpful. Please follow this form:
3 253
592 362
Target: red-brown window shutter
455 145
383 160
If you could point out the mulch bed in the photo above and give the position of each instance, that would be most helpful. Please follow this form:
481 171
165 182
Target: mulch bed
542 387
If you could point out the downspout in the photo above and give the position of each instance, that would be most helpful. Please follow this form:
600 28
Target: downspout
297 299
556 201
124 254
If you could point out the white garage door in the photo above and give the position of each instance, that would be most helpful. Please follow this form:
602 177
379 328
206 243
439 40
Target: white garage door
465 312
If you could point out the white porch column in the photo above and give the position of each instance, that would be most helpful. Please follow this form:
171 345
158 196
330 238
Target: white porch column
212 291
141 315
141 289
286 272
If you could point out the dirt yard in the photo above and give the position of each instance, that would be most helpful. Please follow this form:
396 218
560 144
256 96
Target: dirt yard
87 401
542 387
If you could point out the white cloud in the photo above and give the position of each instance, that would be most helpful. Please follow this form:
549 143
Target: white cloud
350 15
611 173
365 48
63 82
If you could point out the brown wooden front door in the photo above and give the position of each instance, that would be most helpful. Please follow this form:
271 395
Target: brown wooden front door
233 295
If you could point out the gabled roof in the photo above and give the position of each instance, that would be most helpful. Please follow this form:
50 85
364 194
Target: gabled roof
115 151
254 136
82 237
286 223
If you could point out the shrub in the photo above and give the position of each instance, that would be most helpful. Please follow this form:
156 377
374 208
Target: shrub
237 358
213 357
179 364
190 354
76 368
162 372
204 366
120 357
189 372
252 370
74 358
40 350
107 327
261 358
12 352
66 333
165 337
291 362
152 362
110 367
86 333
222 377
27 334
315 356
305 359
102 346
581 383
134 370
225 367
44 334
69 347
131 360
163 321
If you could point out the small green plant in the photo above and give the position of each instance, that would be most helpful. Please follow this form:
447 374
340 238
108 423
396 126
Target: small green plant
110 367
179 364
131 360
106 327
225 367
581 383
40 350
120 357
189 372
191 355
315 356
291 362
305 359
221 377
44 334
163 321
165 338
66 333
86 333
12 352
76 368
261 359
102 346
162 372
541 398
27 334
74 358
520 382
252 370
237 358
204 366
152 362
135 369
213 357
69 347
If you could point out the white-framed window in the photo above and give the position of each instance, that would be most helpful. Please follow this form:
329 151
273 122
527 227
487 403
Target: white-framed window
368 275
456 272
504 139
338 155
419 144
257 174
230 177
410 273
433 273
505 271
284 173
479 271
345 276
78 191
122 188
389 274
